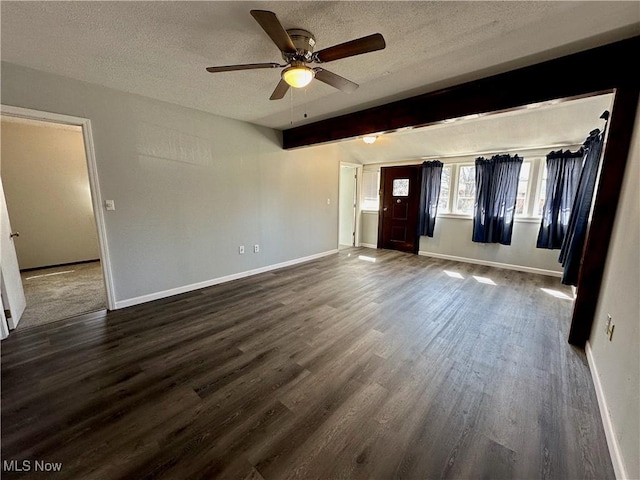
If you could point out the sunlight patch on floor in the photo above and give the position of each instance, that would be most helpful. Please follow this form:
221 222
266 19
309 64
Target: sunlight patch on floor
556 293
49 274
453 274
485 280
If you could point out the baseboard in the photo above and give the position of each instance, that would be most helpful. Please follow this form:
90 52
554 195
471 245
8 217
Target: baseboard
507 266
612 443
368 245
79 262
216 281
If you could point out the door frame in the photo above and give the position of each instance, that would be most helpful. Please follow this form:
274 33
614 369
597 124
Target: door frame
357 212
94 184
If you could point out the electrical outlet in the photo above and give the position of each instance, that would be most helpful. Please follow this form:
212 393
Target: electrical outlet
256 248
241 249
610 327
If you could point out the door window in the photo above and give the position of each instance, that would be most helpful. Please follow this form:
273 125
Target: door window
400 187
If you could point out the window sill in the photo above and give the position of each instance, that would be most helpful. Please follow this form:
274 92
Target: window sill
528 219
370 212
460 216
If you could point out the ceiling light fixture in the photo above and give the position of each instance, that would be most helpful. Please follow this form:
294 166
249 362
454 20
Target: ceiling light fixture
369 139
298 75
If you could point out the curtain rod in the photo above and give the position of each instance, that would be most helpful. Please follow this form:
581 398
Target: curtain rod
411 161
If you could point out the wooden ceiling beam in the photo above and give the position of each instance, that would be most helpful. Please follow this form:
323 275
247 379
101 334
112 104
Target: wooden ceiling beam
599 69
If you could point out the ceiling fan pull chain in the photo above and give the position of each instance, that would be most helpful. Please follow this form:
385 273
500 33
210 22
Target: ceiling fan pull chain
305 103
291 98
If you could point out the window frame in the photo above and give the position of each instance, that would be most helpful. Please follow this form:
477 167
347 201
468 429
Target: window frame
539 195
451 167
526 207
455 210
363 202
532 195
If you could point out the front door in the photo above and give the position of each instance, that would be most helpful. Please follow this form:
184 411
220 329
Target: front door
398 220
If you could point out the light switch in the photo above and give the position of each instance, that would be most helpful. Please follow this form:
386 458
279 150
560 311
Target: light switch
110 204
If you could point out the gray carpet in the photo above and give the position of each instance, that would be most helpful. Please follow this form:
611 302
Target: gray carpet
61 292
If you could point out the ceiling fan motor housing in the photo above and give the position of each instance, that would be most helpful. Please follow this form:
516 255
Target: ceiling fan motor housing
304 42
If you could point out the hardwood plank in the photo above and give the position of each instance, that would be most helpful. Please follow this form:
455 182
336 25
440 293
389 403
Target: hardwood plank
336 368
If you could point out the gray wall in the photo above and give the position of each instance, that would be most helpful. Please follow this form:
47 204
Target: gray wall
190 187
369 232
44 173
452 236
617 362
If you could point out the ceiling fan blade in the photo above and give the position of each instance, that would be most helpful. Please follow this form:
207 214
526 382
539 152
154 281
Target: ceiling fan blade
245 66
281 89
272 26
367 44
334 80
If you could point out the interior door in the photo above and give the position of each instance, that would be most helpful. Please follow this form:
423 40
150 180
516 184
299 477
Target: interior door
11 283
347 211
4 328
398 220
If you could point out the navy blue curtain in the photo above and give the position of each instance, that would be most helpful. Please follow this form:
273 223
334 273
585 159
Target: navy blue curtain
574 240
563 174
496 191
429 195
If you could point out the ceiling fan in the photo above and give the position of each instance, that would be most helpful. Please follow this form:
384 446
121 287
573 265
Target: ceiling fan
296 46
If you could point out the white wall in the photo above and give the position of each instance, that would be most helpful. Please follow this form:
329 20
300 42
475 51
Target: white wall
190 187
44 172
617 362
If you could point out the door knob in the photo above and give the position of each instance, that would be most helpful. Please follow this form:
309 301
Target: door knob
384 209
14 234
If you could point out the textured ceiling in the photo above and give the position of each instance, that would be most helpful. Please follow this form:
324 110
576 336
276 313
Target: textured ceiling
161 49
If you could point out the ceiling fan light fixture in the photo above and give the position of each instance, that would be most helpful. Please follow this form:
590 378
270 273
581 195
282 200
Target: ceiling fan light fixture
298 76
369 139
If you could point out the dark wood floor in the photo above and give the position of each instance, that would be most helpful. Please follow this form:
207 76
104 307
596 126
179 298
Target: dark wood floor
337 368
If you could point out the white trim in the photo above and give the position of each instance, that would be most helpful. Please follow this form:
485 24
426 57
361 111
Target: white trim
216 281
612 443
507 266
368 245
94 184
358 173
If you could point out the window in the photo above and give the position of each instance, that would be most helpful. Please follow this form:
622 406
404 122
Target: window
466 189
543 191
400 187
523 185
370 187
445 185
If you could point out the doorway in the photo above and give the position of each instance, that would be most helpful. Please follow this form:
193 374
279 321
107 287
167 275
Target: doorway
348 204
398 220
48 173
